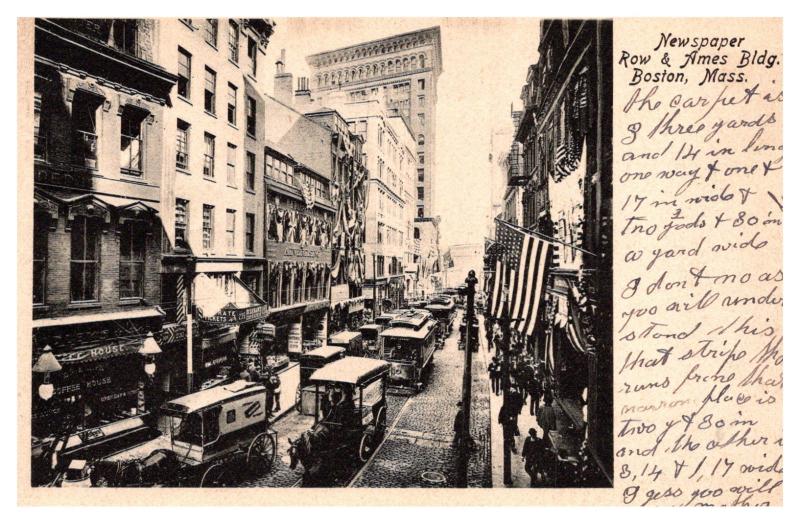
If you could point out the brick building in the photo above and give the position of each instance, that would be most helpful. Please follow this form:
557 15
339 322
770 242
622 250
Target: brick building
99 109
565 133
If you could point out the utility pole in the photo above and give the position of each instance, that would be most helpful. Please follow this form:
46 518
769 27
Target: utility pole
374 290
466 389
505 325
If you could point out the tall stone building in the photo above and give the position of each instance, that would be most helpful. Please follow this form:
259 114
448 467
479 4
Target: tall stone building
403 70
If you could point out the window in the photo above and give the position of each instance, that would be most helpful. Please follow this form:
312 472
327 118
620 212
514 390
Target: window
84 120
420 193
421 158
85 259
130 147
230 416
421 175
131 259
230 230
420 212
251 116
208 157
252 55
250 171
39 130
208 227
184 74
210 97
231 160
421 119
182 145
421 84
40 258
421 139
233 41
250 232
232 95
181 223
421 99
212 25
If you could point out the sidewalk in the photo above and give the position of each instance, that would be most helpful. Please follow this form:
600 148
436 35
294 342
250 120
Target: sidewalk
519 477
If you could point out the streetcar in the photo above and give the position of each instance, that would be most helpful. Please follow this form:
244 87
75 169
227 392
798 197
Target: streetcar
371 335
408 345
444 311
351 341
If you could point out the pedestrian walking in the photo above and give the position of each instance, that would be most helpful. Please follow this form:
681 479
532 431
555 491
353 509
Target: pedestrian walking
275 385
535 392
506 420
547 419
458 425
533 454
494 374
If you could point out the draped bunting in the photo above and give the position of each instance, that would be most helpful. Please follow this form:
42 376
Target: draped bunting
569 130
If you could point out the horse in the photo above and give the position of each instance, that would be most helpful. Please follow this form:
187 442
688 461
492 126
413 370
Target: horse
310 450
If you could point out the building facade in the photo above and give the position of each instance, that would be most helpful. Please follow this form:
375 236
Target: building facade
403 70
565 133
99 112
213 195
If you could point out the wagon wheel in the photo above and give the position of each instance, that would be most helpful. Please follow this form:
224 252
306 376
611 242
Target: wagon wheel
214 476
261 453
298 399
367 446
380 423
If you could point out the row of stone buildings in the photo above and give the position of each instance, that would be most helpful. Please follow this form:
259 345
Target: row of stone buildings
557 174
176 202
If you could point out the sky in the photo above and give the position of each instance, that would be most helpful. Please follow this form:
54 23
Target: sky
485 61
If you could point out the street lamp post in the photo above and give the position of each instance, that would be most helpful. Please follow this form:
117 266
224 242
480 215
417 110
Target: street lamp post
505 326
466 389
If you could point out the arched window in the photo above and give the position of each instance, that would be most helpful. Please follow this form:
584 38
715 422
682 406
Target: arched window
413 62
422 60
421 139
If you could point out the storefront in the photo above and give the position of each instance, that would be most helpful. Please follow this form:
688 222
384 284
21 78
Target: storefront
346 313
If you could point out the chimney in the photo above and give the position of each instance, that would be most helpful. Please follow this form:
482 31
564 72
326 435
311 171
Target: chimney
302 96
283 81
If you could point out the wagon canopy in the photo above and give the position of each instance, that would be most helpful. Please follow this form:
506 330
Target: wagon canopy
351 370
343 337
213 396
325 352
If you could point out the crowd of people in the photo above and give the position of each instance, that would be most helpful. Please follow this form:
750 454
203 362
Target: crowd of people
527 385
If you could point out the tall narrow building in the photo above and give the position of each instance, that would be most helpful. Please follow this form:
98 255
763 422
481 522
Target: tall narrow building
403 70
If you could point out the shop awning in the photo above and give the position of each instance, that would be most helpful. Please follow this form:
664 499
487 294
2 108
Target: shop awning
131 314
224 299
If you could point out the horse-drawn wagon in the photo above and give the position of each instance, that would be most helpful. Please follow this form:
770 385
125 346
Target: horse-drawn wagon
210 438
350 417
310 361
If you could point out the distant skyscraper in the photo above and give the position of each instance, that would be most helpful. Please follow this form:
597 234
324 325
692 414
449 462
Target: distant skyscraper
402 70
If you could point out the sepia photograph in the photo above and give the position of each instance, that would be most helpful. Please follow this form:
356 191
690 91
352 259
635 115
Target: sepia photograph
269 254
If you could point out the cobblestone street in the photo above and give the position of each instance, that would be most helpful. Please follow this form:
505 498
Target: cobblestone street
418 446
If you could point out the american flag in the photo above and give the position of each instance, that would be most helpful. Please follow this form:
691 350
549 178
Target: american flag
519 277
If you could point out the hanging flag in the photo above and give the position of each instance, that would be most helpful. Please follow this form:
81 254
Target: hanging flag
519 277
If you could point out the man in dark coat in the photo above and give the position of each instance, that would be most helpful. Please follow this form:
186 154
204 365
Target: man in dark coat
457 424
507 420
535 392
493 375
533 455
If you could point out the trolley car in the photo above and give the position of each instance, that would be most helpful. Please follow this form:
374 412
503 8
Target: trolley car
408 345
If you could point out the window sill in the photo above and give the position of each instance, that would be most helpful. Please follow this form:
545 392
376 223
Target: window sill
251 135
212 46
209 179
127 302
236 64
251 191
231 186
189 25
209 113
183 170
232 125
84 305
185 100
40 307
251 76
